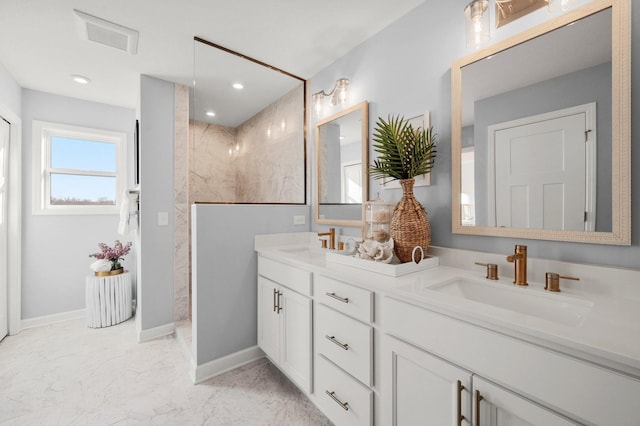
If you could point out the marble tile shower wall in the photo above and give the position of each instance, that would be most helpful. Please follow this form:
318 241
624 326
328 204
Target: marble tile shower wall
267 168
211 168
181 247
270 165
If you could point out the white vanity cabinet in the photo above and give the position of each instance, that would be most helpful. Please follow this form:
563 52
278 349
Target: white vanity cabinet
344 351
515 382
422 388
285 319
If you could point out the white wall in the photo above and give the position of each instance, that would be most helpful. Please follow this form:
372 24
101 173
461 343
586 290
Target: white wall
10 93
55 249
405 69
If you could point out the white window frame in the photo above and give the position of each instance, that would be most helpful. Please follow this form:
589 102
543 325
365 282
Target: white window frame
42 133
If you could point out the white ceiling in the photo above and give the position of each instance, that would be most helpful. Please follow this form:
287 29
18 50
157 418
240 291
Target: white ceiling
40 44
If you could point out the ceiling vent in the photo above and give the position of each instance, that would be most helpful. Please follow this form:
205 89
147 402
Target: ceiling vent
104 32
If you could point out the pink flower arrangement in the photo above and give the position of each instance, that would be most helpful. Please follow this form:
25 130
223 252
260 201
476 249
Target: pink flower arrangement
113 254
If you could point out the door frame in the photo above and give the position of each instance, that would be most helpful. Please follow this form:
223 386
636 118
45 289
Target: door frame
589 110
14 220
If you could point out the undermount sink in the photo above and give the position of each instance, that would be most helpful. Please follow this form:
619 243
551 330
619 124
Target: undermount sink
556 308
308 253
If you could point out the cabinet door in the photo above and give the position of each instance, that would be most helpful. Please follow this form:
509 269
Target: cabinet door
268 319
494 405
423 389
295 354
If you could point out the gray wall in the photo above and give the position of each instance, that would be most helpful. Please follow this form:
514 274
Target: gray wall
225 270
55 248
570 90
155 278
426 41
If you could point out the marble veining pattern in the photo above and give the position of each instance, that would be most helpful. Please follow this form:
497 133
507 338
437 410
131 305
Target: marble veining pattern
268 166
211 169
68 374
181 205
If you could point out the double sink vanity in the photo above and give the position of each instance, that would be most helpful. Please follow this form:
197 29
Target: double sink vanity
446 345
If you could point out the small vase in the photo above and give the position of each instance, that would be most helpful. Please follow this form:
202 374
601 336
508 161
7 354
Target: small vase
409 224
111 272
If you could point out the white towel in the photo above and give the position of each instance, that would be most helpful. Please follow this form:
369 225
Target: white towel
128 212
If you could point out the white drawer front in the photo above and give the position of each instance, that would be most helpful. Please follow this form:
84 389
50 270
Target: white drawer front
289 276
353 403
346 298
346 342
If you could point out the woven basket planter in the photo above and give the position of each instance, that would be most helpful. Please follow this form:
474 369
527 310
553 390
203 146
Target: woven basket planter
409 224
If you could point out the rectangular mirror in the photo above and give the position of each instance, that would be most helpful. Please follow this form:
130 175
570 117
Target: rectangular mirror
541 131
342 170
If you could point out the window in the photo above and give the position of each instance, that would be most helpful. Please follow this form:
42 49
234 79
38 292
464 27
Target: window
77 170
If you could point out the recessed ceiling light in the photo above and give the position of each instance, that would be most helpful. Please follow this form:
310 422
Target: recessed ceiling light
80 79
211 114
238 86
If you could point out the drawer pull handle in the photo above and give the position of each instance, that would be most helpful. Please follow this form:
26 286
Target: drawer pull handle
478 399
333 396
460 416
342 299
337 342
275 303
279 306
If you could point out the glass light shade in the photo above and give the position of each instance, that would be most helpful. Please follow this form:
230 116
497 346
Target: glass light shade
317 103
477 23
560 5
340 94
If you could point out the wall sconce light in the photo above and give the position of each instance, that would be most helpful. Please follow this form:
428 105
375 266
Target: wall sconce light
560 5
338 96
477 23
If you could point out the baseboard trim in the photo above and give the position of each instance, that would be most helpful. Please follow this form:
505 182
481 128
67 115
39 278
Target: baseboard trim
52 319
154 333
200 373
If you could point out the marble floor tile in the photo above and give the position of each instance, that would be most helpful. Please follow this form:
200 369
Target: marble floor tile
69 374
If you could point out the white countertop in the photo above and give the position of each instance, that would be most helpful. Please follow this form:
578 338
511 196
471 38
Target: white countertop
609 334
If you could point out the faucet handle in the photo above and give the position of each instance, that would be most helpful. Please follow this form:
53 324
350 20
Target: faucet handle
552 281
492 270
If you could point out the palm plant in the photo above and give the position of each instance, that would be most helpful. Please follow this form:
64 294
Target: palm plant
403 152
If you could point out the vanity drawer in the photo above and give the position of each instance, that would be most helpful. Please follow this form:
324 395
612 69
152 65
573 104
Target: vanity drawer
289 276
345 298
346 342
353 403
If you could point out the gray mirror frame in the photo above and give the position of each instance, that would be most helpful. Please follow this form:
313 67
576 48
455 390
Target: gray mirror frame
621 129
363 107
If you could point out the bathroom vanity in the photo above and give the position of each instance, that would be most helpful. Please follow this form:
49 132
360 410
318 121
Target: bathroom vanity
447 346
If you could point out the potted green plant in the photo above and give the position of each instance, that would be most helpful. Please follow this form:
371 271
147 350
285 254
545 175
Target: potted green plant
404 152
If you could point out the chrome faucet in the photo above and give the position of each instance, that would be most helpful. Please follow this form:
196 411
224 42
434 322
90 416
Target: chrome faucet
519 260
332 237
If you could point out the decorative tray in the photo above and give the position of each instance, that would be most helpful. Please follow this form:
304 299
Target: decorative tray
391 269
